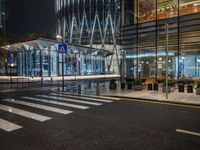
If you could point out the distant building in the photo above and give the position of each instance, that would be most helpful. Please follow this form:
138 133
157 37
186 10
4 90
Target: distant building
2 16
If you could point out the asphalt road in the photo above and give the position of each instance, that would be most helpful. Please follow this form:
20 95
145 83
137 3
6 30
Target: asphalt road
116 125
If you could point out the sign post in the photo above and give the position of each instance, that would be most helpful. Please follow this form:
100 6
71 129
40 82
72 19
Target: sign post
166 51
62 48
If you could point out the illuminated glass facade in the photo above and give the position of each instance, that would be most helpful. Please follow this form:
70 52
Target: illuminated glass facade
90 29
143 37
91 23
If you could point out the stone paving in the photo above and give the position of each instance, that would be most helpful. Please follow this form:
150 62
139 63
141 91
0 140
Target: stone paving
186 98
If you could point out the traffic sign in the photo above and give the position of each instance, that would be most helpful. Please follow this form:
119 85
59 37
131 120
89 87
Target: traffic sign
62 48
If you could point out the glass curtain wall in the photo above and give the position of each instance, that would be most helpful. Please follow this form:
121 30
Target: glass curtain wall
48 62
143 37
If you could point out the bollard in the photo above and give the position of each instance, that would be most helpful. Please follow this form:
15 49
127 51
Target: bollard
41 80
51 80
89 84
97 89
79 89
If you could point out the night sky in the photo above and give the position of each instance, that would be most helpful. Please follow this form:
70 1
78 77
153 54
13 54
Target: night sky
28 16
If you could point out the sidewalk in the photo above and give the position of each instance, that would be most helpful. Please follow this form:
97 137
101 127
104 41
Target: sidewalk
173 97
20 83
6 79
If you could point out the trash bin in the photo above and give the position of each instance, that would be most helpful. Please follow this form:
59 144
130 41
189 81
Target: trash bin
181 88
150 86
122 85
155 86
129 85
190 88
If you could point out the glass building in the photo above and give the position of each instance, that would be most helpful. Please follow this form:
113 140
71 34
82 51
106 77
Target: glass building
143 34
2 16
93 24
89 27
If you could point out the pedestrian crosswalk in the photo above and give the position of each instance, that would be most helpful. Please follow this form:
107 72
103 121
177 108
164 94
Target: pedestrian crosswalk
69 104
8 126
24 113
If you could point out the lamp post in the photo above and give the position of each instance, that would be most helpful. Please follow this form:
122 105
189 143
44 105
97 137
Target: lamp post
166 51
122 69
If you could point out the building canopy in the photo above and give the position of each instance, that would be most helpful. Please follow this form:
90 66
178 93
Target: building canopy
44 44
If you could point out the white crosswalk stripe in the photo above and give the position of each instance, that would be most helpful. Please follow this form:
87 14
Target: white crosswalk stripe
55 102
39 106
24 113
56 99
8 126
87 98
70 100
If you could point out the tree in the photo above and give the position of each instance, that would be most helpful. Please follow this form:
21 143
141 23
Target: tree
3 53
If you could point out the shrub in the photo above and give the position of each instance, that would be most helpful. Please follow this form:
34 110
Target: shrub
138 82
169 83
112 81
198 84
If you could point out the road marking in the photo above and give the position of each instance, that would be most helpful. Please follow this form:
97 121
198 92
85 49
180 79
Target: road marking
55 102
188 132
87 98
61 98
48 108
8 126
111 98
24 113
162 103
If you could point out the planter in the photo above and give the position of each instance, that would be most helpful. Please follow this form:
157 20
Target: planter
181 88
150 86
138 87
190 88
164 89
113 86
198 91
155 87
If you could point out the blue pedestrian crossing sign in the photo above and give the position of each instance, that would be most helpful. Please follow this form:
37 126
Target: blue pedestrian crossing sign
62 48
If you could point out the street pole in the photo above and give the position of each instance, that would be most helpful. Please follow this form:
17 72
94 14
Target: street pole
166 50
63 38
122 69
63 84
10 75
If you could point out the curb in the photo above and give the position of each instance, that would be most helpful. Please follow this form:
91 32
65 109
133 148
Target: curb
153 100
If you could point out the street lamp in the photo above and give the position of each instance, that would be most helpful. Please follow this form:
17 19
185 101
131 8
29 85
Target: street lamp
122 69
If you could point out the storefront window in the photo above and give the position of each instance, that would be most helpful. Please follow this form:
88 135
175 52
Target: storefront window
189 7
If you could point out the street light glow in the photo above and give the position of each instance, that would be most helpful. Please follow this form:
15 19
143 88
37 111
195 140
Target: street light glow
58 37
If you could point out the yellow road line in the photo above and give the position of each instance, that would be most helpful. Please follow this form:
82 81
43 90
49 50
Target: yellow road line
163 103
111 98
